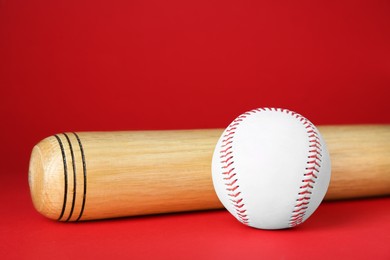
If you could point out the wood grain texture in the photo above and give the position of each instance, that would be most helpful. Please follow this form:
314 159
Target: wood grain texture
360 157
96 175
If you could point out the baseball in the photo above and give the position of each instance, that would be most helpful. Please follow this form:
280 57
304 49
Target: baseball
271 168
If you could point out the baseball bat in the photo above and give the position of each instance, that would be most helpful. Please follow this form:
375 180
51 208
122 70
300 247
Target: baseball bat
97 175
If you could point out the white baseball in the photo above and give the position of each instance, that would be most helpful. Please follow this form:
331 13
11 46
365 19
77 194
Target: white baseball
271 168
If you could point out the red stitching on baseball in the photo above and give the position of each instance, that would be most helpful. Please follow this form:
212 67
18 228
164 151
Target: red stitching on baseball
232 183
234 195
236 201
310 175
224 151
227 166
303 203
226 144
303 198
304 192
230 133
305 186
298 215
227 160
231 137
228 178
232 189
300 208
229 171
239 206
226 156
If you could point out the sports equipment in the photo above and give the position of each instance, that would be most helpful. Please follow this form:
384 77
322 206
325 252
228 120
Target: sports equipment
97 175
271 168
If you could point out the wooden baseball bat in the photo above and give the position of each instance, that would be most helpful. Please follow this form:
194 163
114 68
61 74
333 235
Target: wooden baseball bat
96 175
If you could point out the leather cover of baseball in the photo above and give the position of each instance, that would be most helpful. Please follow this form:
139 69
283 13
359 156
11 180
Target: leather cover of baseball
271 168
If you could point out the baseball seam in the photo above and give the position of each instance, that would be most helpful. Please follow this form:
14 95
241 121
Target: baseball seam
310 175
312 169
228 171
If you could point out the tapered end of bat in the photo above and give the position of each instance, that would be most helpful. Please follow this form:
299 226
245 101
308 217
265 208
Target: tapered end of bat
35 178
45 180
57 177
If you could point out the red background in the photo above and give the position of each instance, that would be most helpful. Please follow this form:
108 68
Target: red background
127 65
